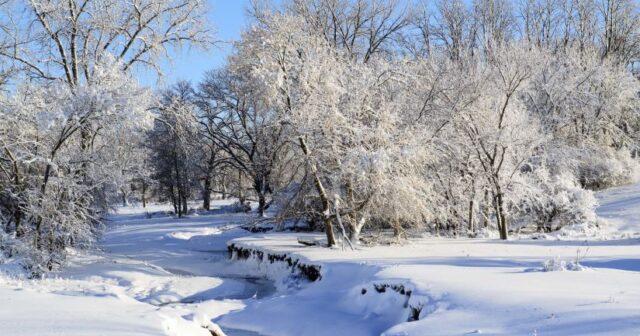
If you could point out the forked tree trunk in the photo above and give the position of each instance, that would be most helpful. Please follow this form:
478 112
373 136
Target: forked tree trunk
326 210
500 216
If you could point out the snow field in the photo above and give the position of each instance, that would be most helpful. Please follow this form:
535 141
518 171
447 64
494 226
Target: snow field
158 275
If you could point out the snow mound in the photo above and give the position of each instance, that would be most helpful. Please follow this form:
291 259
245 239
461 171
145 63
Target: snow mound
186 235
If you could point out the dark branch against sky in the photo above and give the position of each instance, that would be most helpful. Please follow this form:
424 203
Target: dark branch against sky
227 18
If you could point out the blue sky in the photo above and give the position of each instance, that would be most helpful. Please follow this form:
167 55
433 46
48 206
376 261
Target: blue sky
227 17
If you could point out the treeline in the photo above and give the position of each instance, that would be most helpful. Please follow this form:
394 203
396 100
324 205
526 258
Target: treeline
452 117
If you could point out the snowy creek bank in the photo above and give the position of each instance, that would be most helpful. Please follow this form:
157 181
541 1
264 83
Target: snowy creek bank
328 286
285 269
295 267
442 286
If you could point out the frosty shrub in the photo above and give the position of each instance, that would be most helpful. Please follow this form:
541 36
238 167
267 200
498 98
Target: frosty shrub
605 167
595 167
554 201
557 264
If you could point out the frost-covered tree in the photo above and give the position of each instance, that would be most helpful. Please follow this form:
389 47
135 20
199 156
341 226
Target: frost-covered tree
174 145
345 117
497 125
590 107
458 134
238 120
361 29
66 42
46 191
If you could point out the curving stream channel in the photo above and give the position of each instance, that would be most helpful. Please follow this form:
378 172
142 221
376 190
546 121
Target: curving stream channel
179 248
254 288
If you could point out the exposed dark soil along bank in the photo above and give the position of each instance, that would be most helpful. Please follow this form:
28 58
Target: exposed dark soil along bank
308 271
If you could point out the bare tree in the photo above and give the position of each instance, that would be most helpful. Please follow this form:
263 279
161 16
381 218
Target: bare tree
362 28
621 30
174 145
238 120
495 23
64 40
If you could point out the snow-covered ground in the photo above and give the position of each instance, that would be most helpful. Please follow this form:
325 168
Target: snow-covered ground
168 276
150 276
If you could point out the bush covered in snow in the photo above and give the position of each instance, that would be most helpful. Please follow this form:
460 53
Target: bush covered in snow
554 201
557 264
600 168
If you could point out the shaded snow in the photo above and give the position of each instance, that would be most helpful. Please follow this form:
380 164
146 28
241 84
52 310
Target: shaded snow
620 208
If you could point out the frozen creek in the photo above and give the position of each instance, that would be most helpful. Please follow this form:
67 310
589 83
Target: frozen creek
180 266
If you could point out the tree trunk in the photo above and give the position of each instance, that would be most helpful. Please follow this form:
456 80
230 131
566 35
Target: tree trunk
85 140
471 226
356 228
206 198
262 204
240 195
326 210
43 189
179 203
260 187
185 207
179 186
224 187
397 229
17 215
125 199
174 201
144 194
485 210
206 193
500 217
